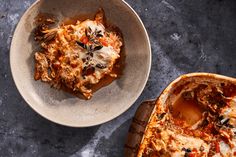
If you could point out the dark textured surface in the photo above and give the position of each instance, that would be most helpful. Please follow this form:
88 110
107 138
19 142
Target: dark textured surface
186 36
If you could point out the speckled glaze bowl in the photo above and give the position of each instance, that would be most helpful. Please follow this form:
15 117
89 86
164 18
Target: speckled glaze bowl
108 102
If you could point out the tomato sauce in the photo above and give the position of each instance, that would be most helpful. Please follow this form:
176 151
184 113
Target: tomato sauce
188 111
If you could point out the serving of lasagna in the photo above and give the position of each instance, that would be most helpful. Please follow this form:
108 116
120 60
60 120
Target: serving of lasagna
77 56
197 119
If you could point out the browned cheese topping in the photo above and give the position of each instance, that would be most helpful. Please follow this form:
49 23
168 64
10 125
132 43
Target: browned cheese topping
200 122
76 56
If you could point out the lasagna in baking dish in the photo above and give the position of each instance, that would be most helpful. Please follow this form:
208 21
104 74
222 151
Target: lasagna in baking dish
197 120
77 56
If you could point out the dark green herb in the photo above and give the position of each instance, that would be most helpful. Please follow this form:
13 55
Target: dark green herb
90 49
188 150
88 70
97 47
224 121
100 66
81 44
99 35
94 41
202 148
91 54
161 116
86 32
89 29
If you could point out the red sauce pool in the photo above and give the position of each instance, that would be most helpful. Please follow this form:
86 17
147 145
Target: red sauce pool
186 111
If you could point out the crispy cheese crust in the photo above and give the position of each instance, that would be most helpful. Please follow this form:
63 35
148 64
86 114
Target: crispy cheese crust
201 122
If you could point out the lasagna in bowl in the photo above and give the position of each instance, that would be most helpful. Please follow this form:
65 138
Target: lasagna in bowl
195 116
76 57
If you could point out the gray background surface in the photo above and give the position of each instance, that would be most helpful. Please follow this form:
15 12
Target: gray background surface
186 36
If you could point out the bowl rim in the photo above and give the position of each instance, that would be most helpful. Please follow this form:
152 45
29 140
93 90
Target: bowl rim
95 123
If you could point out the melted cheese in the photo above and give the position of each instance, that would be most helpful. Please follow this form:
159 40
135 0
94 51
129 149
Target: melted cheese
214 134
84 52
106 56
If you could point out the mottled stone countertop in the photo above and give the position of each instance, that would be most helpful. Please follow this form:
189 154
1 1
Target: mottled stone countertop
186 36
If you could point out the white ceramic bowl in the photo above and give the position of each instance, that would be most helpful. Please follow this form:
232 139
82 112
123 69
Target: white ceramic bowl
108 102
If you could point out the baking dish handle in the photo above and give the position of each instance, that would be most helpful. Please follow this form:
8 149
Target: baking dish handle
137 128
